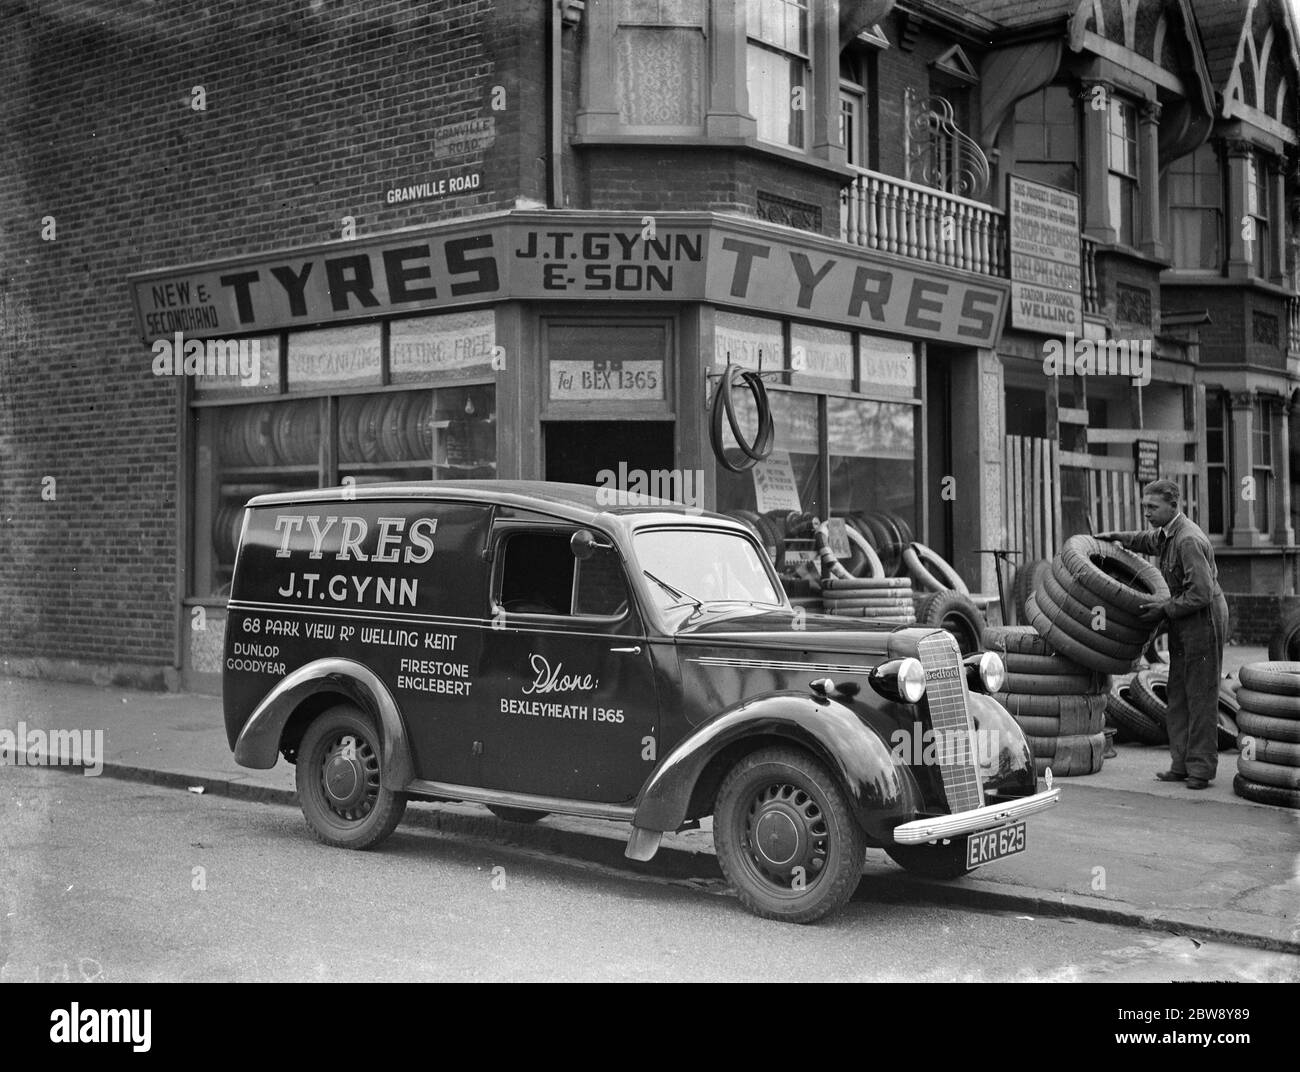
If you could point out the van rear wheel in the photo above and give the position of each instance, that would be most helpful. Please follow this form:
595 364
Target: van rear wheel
339 780
785 836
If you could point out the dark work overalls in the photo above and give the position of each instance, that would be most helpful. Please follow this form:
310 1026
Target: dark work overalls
1197 619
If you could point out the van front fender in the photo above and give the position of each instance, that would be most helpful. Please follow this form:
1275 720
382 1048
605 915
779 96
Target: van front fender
881 792
258 745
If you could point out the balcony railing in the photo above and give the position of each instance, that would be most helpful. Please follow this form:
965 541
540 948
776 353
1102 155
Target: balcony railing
1091 300
896 216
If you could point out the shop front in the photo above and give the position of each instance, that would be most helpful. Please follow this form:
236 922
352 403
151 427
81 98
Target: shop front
579 347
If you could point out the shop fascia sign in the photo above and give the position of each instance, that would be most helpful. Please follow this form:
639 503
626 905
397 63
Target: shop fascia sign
536 256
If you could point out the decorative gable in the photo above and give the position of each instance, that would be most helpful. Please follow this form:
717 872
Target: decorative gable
956 64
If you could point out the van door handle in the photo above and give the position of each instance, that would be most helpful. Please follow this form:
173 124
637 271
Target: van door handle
635 650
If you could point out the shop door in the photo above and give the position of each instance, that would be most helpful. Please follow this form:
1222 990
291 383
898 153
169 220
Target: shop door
576 451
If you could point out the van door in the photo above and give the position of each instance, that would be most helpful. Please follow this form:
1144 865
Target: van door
577 715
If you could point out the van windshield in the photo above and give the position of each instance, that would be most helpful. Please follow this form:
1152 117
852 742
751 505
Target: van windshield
703 566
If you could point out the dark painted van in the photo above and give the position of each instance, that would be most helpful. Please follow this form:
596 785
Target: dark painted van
528 647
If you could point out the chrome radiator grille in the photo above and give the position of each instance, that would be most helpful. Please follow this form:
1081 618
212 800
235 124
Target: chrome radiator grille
945 693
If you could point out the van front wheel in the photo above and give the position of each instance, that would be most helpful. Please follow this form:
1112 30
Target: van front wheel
339 781
785 836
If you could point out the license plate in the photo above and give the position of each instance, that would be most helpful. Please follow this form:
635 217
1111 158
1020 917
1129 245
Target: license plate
994 844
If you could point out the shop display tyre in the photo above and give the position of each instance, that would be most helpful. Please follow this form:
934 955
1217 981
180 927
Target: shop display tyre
1079 643
1268 703
930 572
1279 678
1117 577
1059 575
864 562
866 584
1056 684
1265 794
1149 692
1084 614
1275 729
1276 774
1125 715
1015 639
1026 580
1016 663
1068 710
1285 643
1069 757
1283 753
957 614
1073 721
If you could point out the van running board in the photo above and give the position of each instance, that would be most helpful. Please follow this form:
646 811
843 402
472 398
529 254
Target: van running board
556 805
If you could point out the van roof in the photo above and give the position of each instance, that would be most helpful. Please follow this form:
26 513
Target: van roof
575 502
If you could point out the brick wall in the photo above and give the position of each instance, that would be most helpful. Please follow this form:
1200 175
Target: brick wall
708 180
310 117
1230 337
1254 619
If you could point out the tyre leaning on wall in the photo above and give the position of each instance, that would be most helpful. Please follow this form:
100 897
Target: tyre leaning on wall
1268 768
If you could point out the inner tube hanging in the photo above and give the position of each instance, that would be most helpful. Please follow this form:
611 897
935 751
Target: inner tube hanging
761 447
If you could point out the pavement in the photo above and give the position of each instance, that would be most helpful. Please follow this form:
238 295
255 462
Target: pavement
1120 847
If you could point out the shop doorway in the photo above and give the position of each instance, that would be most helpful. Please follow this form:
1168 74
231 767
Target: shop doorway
576 451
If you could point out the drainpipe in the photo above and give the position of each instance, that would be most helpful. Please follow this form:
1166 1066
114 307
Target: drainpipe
562 13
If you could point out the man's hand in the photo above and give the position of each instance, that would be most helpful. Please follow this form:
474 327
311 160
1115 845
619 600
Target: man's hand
1150 613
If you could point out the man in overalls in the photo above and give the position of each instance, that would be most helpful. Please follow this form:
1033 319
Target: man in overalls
1197 615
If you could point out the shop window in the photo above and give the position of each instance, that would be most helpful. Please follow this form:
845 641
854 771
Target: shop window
1122 162
1196 209
789 478
246 443
1217 433
1257 231
780 86
872 449
661 53
1047 138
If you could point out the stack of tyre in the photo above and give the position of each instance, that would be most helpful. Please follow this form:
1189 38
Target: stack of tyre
882 599
1268 769
1059 705
1087 604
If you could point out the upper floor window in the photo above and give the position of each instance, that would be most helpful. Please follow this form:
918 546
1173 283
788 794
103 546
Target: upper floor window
661 63
1047 139
1261 458
1256 231
854 124
1217 439
778 67
1196 209
1122 180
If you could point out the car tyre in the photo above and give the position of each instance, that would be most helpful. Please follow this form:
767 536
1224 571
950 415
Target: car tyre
815 847
1285 643
340 781
957 614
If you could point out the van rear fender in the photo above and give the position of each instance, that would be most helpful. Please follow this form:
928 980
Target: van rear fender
259 742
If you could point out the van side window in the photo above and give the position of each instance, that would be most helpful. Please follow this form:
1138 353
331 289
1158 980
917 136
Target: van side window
537 573
601 589
538 577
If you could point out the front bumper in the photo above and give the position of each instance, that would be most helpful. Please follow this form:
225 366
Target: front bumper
920 831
